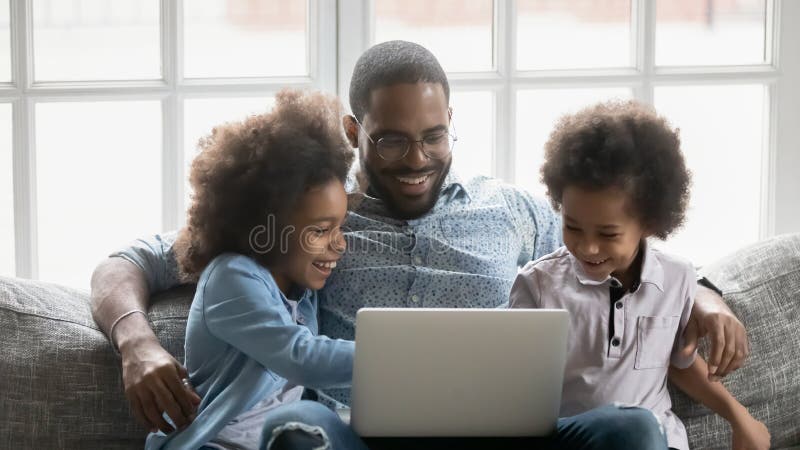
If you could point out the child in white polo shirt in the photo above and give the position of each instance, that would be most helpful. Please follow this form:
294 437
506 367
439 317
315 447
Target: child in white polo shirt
616 173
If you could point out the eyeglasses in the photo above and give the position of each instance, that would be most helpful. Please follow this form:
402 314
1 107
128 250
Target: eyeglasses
394 148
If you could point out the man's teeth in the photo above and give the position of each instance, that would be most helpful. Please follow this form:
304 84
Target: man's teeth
325 265
412 180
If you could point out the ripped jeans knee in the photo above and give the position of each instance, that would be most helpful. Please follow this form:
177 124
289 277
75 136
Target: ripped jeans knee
298 435
307 425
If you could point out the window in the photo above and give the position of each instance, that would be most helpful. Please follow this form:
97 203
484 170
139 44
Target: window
105 101
710 67
102 102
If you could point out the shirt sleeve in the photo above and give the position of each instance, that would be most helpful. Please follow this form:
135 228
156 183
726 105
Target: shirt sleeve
525 290
678 360
246 310
538 224
156 259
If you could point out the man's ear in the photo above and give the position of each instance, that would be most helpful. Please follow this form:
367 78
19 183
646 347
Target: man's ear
351 129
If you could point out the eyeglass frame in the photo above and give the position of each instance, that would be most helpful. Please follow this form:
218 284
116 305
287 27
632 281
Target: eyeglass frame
410 142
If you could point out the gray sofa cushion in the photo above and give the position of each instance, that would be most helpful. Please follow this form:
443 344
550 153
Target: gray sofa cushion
60 382
761 284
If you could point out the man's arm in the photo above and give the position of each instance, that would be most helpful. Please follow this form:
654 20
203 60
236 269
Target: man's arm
151 376
538 224
728 338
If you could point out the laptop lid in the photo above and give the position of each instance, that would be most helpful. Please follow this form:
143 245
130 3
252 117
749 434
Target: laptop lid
458 372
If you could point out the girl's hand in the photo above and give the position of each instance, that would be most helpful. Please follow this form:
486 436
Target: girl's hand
750 434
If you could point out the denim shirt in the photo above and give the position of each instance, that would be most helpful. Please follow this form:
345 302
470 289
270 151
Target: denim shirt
464 253
243 343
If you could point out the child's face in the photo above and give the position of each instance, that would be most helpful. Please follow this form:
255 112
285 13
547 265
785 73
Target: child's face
600 231
316 242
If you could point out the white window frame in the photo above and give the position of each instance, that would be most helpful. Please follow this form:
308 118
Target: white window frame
781 74
339 31
23 93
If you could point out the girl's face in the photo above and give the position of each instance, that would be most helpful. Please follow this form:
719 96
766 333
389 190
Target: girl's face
315 240
600 232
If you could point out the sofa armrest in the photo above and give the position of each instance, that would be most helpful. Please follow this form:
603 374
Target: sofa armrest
60 380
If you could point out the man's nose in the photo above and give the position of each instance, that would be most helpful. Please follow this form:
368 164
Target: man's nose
416 157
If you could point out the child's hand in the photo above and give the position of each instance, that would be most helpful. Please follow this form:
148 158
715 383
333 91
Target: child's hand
750 434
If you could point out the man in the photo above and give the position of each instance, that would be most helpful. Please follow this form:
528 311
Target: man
417 236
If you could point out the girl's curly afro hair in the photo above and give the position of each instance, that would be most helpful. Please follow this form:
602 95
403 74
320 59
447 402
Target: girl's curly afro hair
248 170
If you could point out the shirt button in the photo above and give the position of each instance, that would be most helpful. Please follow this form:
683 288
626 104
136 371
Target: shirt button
615 342
618 305
415 298
417 260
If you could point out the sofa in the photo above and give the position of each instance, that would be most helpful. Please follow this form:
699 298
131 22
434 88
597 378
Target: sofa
61 382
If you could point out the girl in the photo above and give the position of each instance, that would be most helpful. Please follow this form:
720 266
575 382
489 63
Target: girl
263 234
616 173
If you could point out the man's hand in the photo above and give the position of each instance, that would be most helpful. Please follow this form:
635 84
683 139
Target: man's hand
153 384
727 336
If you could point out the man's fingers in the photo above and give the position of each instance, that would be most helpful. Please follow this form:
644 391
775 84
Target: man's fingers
182 396
741 350
690 337
138 412
152 412
717 340
728 354
166 402
189 389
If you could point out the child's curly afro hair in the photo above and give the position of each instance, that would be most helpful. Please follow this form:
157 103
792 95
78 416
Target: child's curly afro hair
258 167
626 145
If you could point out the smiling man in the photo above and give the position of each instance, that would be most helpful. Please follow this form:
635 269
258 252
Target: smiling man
417 235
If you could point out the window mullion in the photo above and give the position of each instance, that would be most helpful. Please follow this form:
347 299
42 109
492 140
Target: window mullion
322 44
353 37
646 46
172 126
23 148
505 117
786 142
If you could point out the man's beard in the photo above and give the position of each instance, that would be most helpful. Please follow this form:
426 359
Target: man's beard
376 189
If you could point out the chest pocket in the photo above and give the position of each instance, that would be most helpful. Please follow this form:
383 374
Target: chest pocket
654 341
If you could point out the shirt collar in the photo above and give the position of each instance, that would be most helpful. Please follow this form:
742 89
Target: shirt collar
298 293
652 271
453 187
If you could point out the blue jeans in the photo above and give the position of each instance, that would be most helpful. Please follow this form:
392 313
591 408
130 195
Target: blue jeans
310 425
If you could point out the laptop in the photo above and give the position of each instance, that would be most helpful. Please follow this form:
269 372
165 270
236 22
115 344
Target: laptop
457 372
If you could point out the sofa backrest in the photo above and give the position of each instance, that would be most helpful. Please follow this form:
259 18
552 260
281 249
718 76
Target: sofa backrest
761 284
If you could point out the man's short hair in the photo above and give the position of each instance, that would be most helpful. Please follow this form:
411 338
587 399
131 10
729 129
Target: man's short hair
391 63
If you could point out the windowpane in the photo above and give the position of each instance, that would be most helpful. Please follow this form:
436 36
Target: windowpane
243 38
473 123
5 41
96 40
6 194
537 114
458 32
722 138
689 32
99 182
573 35
202 115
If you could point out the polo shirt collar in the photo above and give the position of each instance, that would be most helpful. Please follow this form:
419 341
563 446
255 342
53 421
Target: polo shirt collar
652 270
